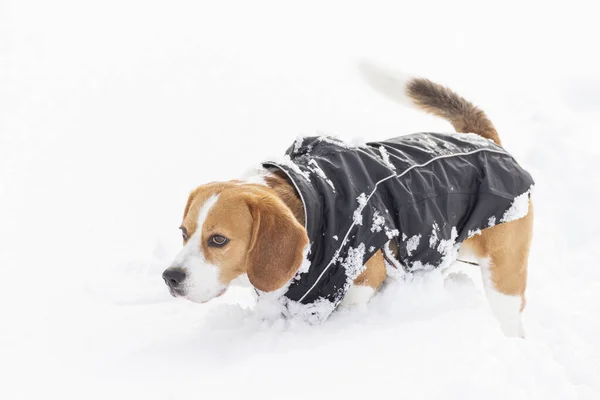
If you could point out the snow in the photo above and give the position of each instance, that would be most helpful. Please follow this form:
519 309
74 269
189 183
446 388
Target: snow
298 144
313 313
357 216
358 296
354 263
378 222
386 158
519 207
433 239
110 113
391 233
445 245
305 266
255 175
412 244
286 161
338 142
473 232
314 167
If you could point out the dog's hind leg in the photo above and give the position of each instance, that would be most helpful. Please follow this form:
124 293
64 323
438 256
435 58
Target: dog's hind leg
503 251
506 303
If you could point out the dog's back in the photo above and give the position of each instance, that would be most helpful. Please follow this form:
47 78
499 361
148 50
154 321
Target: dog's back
502 250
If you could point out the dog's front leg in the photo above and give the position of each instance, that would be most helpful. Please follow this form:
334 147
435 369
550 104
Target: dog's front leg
366 284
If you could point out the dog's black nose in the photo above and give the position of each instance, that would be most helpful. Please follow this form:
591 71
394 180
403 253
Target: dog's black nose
173 277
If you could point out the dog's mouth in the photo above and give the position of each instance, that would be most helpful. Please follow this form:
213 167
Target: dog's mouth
176 292
181 293
219 294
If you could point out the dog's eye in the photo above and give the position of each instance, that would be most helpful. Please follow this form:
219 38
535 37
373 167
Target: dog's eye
217 241
184 233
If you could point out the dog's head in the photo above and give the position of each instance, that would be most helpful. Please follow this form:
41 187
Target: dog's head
233 228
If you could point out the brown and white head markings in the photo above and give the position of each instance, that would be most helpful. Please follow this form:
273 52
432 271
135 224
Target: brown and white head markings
233 228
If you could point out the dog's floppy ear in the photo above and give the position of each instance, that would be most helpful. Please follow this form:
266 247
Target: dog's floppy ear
277 244
191 198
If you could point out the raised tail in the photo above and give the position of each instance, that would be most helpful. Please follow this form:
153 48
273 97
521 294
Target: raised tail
430 97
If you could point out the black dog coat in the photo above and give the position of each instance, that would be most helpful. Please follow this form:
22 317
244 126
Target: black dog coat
427 191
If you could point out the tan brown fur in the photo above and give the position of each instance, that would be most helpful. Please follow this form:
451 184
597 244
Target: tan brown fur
195 200
443 102
265 224
374 274
276 248
268 238
279 182
507 247
265 239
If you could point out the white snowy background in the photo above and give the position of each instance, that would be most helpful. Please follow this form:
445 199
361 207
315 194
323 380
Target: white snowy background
110 112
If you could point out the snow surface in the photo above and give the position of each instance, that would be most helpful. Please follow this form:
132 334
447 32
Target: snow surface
110 112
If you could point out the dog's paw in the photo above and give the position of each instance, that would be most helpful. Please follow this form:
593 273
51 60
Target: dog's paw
458 280
358 295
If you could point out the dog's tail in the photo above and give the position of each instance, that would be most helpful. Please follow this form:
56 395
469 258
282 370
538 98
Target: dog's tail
429 97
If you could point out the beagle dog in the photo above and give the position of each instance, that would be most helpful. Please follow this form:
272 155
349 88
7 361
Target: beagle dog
259 229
